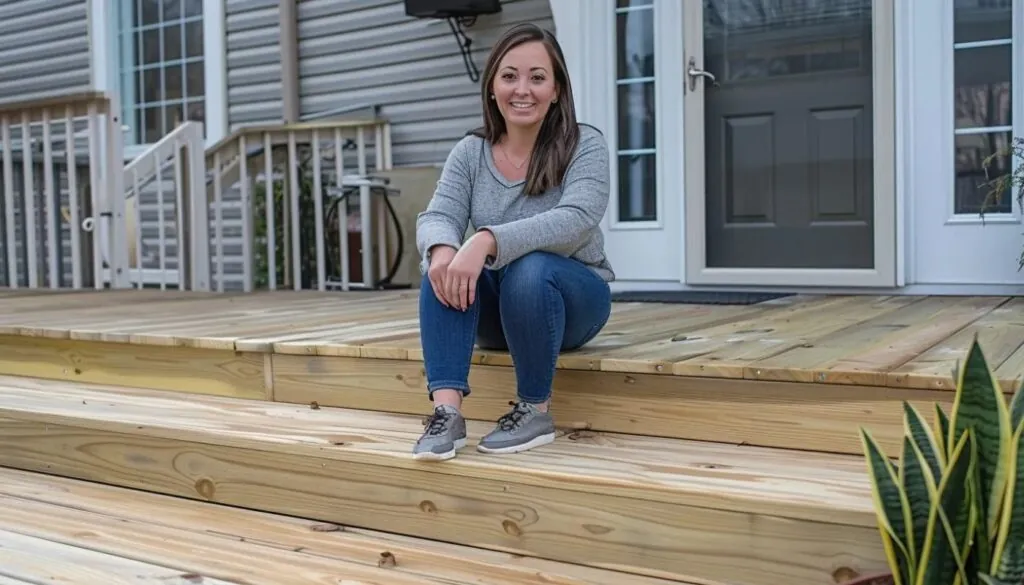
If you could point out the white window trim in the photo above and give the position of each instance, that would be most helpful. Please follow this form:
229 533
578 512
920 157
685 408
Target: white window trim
103 43
949 125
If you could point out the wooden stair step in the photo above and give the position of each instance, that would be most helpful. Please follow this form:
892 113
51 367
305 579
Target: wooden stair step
84 533
674 508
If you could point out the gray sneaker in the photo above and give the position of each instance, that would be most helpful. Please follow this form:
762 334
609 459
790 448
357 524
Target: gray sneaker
524 427
445 433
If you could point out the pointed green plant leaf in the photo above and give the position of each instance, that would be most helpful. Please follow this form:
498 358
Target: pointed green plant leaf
942 562
1008 552
984 579
1017 407
980 405
918 484
918 429
891 508
941 431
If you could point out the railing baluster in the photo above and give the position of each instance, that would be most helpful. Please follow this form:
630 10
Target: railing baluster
318 212
339 169
94 195
268 172
243 182
30 202
218 215
13 280
76 225
179 217
137 198
52 227
365 210
296 228
161 238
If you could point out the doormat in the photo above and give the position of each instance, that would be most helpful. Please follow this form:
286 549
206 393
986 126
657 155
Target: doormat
697 297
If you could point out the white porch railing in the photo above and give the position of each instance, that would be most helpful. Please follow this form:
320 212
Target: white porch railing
291 191
267 207
56 172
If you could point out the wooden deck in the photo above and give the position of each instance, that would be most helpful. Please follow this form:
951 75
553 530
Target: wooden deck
889 341
81 533
686 433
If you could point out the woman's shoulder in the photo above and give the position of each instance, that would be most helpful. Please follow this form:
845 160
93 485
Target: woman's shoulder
591 140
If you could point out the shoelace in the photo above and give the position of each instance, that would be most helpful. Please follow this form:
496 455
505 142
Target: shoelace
438 422
511 420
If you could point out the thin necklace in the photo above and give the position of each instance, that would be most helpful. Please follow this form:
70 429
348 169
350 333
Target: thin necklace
509 159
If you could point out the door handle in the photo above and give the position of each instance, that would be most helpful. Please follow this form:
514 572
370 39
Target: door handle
694 73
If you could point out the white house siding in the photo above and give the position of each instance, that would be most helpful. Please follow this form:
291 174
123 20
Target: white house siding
369 53
44 48
253 62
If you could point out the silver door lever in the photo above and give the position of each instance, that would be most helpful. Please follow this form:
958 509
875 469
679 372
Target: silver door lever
694 73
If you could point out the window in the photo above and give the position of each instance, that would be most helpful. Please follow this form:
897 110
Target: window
161 68
637 197
983 101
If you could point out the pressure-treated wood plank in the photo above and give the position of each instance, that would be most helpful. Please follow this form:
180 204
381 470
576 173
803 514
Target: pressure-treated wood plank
875 362
219 372
604 500
39 560
768 414
1000 334
898 341
212 535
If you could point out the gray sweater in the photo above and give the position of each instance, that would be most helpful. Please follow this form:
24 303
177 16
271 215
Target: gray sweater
564 220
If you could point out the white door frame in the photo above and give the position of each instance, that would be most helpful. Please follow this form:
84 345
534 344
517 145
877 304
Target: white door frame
885 191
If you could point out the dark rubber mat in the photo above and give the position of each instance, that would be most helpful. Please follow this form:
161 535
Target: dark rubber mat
697 297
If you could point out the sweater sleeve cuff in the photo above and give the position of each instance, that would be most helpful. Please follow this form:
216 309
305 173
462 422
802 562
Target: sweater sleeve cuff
506 244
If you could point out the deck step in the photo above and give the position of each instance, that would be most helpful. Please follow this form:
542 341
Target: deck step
83 533
671 508
795 415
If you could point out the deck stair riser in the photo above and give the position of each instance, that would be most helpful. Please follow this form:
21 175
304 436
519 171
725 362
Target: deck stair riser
797 415
661 507
61 530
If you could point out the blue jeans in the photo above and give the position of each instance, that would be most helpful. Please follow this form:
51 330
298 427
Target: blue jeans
534 307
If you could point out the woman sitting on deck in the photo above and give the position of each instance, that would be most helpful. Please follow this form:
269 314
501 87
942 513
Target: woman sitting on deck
533 277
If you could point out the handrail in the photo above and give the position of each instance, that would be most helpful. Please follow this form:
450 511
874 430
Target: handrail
189 206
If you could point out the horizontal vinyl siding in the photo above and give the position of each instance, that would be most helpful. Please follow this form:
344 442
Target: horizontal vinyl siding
44 48
253 62
368 52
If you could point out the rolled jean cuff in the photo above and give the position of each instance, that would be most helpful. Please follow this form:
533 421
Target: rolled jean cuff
447 385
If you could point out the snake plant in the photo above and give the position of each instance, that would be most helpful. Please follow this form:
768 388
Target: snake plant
951 511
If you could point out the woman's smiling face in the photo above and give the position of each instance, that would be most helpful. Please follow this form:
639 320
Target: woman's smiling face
524 87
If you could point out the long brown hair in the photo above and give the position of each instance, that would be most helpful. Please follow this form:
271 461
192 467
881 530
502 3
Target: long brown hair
559 132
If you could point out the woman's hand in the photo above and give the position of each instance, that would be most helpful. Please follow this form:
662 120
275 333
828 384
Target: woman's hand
441 257
464 271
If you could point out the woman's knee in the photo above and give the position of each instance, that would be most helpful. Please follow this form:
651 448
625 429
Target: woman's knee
530 270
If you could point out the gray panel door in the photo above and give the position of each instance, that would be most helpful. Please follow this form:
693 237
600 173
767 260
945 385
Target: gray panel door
788 134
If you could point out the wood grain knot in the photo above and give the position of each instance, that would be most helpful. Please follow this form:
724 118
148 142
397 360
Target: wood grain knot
387 560
205 488
713 466
428 507
511 528
844 574
597 529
